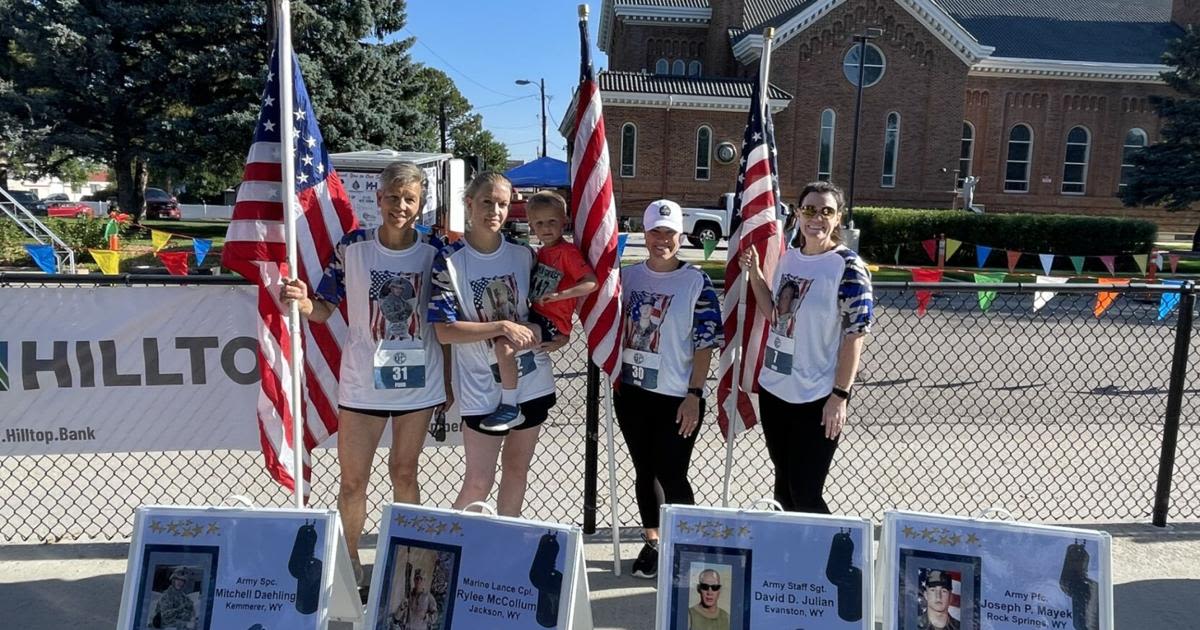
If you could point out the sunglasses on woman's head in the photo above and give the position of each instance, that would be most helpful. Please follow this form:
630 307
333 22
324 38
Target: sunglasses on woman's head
709 587
809 212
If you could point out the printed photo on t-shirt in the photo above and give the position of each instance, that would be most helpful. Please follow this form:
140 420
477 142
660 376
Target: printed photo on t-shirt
645 313
788 297
495 298
394 298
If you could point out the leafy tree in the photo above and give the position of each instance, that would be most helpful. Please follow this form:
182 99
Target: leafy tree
1168 173
465 133
174 87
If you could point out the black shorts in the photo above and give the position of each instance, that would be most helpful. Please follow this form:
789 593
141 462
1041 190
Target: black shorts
535 411
385 414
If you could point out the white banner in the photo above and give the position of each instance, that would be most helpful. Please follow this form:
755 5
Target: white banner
126 369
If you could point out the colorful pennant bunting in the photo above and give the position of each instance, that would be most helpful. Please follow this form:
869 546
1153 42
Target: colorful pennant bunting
1169 299
981 255
1104 299
175 262
710 245
1141 260
1047 262
621 240
1109 263
987 297
159 239
930 247
1013 257
952 247
1158 261
1174 262
897 256
1077 263
109 260
43 256
1041 298
924 295
200 247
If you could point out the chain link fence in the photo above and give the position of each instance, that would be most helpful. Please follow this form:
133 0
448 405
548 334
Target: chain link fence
1055 415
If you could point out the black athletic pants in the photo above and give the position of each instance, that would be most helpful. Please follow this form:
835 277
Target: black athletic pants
659 453
799 449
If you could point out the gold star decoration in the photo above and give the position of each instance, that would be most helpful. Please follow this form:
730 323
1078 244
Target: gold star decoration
743 531
185 528
157 527
683 527
428 525
940 536
972 539
456 528
213 528
909 532
927 534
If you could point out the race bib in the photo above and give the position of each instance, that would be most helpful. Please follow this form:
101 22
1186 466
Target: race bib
778 357
544 282
399 368
640 368
525 366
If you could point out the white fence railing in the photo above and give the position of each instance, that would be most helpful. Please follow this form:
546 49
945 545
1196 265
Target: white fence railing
189 211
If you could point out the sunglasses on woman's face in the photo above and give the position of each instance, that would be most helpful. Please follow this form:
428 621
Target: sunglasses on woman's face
710 587
809 212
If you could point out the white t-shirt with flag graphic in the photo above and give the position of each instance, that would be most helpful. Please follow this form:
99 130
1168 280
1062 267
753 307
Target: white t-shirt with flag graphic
818 300
667 317
392 360
477 287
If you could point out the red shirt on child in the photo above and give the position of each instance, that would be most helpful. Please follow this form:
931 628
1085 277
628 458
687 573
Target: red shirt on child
565 263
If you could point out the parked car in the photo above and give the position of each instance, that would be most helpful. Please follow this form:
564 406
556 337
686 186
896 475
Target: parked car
29 200
162 205
67 209
57 197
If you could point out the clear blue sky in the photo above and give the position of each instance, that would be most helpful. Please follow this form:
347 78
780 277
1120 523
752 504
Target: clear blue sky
486 45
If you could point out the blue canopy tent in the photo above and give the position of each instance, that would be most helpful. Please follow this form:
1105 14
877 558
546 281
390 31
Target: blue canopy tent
544 172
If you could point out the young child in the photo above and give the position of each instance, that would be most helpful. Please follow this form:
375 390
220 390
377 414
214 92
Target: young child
561 277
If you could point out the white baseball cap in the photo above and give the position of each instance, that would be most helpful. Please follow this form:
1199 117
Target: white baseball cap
663 213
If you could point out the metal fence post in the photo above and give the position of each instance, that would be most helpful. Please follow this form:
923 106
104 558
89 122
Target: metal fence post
1166 461
591 447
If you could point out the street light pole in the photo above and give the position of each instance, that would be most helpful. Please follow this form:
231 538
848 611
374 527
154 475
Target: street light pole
542 89
866 36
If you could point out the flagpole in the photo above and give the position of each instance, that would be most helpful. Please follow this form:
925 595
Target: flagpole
764 69
283 9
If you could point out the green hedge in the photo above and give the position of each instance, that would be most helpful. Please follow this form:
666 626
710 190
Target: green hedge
885 228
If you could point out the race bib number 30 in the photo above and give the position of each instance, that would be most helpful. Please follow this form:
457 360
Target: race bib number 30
399 369
640 368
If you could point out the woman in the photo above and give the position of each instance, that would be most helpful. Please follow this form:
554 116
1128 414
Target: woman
809 367
672 322
482 294
392 366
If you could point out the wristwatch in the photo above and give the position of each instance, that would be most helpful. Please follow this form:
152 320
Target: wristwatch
697 391
844 394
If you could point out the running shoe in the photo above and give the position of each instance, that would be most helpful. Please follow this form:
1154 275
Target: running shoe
503 418
646 565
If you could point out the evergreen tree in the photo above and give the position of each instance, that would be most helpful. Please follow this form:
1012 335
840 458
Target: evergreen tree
465 133
1167 173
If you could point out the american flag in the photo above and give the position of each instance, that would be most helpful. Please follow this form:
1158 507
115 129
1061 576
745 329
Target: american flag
754 225
596 219
255 248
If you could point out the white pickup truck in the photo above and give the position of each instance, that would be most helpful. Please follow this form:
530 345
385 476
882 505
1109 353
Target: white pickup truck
703 224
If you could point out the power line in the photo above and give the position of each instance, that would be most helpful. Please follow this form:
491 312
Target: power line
511 100
452 66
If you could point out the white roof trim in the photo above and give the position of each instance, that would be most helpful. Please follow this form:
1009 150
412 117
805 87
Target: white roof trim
680 16
936 20
1061 69
677 101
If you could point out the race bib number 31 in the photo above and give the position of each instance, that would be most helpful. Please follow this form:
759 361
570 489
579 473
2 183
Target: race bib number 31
399 369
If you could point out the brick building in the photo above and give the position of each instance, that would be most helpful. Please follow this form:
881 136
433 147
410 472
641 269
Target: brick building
1042 100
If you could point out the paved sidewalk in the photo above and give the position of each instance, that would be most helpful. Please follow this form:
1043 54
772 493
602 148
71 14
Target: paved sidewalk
42 587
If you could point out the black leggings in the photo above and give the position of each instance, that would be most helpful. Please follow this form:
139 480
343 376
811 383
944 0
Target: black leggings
799 449
659 453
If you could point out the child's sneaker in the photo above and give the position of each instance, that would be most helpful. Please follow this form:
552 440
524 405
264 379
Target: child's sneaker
503 418
646 565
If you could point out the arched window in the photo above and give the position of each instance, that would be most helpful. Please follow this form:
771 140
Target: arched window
965 153
1074 179
662 66
873 65
1016 169
628 149
703 152
1135 141
891 150
694 68
825 155
678 68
